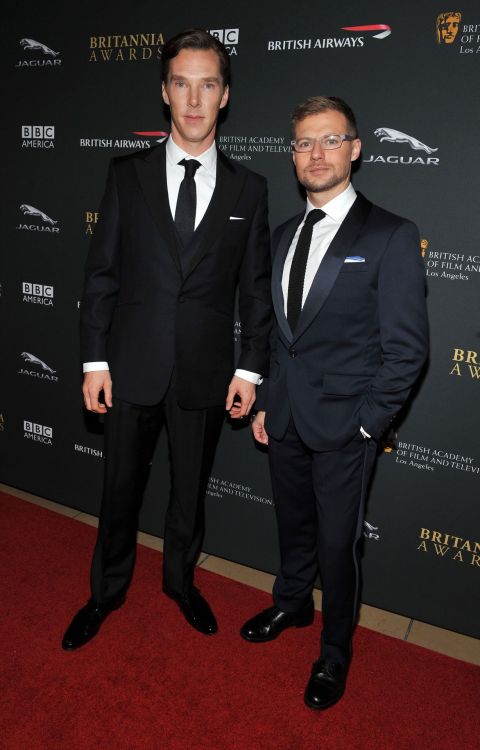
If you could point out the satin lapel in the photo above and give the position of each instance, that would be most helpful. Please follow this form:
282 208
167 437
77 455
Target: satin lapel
228 186
277 272
152 175
332 262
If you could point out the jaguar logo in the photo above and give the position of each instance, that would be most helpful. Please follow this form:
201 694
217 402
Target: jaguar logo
36 361
32 211
34 45
396 136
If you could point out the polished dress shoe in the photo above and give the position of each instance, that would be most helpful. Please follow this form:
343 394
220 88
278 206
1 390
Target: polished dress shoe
86 623
326 684
196 610
267 625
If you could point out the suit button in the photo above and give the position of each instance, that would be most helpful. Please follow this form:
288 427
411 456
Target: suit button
292 352
181 298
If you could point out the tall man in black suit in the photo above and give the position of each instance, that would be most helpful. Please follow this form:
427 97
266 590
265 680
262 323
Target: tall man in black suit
350 340
180 227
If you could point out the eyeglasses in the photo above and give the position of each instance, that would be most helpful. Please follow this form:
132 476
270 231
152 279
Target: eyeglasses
327 142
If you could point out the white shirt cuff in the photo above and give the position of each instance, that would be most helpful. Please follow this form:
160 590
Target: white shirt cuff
252 377
365 434
94 366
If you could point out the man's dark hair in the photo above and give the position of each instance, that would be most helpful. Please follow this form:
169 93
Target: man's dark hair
314 105
195 39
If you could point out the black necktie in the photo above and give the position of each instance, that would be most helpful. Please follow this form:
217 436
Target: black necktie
299 264
187 202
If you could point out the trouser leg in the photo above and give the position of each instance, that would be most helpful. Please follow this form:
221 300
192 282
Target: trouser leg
192 436
340 480
291 473
131 432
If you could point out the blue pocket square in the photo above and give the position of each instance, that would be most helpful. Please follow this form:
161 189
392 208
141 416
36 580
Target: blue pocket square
354 259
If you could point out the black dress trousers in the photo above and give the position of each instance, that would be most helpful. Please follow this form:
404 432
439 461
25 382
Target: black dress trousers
319 501
131 433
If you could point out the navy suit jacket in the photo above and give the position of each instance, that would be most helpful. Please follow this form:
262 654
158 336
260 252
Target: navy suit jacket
362 336
147 310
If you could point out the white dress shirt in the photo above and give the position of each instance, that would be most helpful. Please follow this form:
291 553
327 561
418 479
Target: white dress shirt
323 233
205 178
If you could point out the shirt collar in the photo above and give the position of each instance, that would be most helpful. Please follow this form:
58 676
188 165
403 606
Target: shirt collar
208 159
339 206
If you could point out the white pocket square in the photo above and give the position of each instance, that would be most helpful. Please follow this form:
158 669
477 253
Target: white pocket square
237 218
354 259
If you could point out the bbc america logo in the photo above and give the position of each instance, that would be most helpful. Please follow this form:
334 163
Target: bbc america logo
228 37
38 433
38 136
37 294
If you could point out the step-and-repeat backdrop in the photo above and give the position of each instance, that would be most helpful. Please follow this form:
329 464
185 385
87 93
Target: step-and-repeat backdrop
84 85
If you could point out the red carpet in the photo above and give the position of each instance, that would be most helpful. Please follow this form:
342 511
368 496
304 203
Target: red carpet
149 682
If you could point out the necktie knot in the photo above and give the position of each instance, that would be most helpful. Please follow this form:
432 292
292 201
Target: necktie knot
191 166
313 216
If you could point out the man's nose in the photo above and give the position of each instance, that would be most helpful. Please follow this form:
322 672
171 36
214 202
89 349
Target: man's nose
194 96
317 151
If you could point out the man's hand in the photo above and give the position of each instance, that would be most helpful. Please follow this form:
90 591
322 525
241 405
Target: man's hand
240 397
93 383
258 428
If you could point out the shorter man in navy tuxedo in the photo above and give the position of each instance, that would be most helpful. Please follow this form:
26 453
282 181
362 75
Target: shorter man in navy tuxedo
350 340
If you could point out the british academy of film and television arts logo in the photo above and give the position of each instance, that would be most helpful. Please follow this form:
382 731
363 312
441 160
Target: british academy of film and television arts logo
446 26
457 31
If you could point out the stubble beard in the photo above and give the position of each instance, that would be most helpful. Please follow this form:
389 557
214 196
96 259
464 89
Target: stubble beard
315 187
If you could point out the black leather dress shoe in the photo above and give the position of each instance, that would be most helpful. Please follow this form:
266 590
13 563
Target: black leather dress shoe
196 610
267 625
86 623
326 684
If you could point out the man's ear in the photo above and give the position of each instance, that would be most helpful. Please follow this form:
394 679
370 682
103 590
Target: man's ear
356 148
224 99
165 95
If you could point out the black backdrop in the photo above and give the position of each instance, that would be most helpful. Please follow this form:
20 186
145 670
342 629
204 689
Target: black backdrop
83 84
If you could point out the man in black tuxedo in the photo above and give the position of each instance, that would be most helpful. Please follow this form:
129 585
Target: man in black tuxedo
180 228
350 340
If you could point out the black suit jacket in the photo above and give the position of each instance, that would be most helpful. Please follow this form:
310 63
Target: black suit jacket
362 336
146 313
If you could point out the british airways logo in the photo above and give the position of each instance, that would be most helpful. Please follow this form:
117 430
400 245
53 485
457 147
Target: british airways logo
382 29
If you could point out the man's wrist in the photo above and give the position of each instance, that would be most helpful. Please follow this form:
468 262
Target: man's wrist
95 366
251 377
